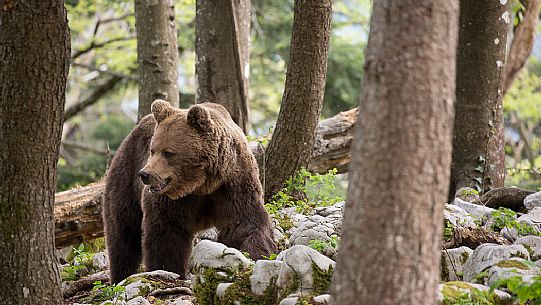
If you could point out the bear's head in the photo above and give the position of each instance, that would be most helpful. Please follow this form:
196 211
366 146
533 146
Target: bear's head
191 150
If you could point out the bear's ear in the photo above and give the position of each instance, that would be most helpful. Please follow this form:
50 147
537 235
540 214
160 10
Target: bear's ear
199 118
161 110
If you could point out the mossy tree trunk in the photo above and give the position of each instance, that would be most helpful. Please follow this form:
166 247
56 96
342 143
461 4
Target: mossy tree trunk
222 48
291 144
34 63
478 143
401 155
157 53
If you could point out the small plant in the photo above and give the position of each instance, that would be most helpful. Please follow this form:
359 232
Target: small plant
70 273
106 293
525 293
448 230
82 257
320 245
460 293
506 218
470 192
271 257
305 191
80 260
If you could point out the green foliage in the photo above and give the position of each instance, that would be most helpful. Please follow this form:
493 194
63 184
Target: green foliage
524 292
108 292
108 130
71 272
506 218
271 257
321 245
305 191
79 262
461 293
448 230
523 100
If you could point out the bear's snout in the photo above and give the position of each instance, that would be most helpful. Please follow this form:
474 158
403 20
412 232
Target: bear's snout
145 177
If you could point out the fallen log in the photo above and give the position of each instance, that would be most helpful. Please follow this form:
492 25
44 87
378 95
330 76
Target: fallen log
77 215
77 211
507 197
474 237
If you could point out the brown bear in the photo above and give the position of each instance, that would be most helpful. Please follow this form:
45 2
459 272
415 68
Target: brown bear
177 173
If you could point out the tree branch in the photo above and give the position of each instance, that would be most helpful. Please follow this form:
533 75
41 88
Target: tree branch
105 71
93 45
522 44
94 96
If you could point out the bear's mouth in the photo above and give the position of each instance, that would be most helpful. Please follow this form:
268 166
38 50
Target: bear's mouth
160 186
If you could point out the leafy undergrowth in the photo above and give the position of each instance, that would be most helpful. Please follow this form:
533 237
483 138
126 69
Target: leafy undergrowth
306 191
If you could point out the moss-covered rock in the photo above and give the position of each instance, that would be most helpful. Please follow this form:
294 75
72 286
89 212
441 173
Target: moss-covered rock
457 292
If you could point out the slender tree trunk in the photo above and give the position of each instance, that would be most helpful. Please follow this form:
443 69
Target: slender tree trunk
478 143
293 139
522 44
157 53
399 171
34 63
222 48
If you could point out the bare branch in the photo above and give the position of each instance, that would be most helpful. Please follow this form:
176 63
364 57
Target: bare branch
105 71
93 45
94 96
522 44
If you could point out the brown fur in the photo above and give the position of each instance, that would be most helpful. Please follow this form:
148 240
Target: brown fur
212 181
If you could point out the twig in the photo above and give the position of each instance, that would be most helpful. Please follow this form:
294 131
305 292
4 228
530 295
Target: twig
94 45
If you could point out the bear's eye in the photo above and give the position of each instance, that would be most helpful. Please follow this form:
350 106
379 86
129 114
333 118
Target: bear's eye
168 154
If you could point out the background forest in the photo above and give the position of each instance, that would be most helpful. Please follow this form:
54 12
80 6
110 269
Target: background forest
103 78
104 73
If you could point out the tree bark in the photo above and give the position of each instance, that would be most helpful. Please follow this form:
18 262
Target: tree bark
34 63
293 139
399 171
222 49
78 211
157 53
522 44
478 143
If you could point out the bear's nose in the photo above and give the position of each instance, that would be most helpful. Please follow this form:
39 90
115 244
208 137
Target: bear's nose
145 177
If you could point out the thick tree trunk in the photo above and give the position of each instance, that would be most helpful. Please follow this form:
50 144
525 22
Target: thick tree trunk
398 178
157 53
34 62
222 48
78 211
293 139
478 143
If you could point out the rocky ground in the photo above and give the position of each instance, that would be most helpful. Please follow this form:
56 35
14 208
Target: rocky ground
483 248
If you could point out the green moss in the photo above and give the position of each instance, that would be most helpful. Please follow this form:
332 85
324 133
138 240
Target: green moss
464 257
444 272
142 279
463 293
206 292
305 301
513 264
519 255
529 249
322 279
294 287
240 291
285 223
